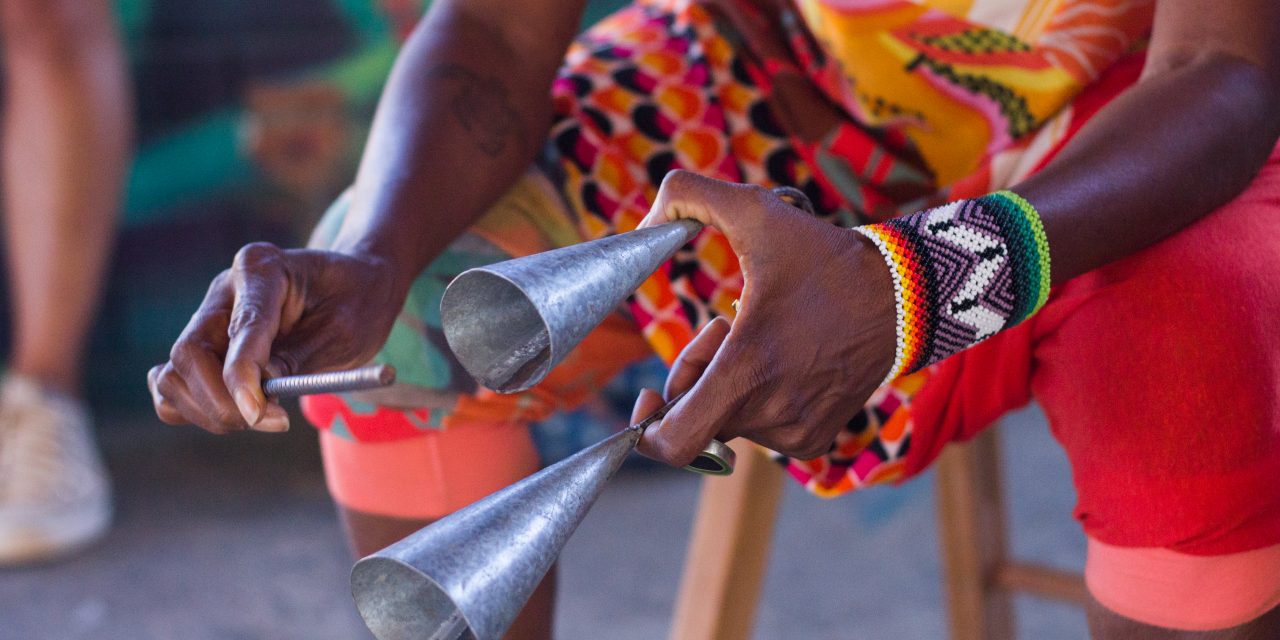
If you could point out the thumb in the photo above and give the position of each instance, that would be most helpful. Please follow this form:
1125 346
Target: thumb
260 288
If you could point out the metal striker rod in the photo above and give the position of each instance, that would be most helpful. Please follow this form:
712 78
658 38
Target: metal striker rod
370 377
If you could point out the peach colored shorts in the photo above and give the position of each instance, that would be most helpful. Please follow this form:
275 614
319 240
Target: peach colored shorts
1175 590
426 477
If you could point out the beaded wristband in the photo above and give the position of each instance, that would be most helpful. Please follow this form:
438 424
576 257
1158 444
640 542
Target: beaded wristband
962 272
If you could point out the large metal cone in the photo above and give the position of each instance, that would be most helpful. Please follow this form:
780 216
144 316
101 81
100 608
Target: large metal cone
469 574
509 323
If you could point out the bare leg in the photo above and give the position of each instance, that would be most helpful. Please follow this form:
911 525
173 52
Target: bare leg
1105 624
67 129
369 533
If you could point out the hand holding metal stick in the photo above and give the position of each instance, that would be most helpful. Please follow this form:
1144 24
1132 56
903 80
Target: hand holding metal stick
359 379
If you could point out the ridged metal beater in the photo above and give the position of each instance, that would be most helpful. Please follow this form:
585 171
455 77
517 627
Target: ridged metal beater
370 377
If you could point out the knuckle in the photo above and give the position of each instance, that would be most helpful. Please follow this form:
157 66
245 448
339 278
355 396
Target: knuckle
221 280
257 255
791 440
167 384
785 409
185 351
207 319
678 180
248 315
179 355
799 442
187 356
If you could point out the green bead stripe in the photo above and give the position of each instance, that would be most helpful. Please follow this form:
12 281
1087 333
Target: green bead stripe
1023 258
1039 245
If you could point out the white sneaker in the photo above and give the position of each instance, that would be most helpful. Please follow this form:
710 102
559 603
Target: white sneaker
54 494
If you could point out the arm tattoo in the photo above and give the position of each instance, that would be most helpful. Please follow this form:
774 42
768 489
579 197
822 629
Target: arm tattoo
483 108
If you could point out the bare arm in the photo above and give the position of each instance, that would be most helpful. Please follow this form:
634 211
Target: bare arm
1183 141
465 110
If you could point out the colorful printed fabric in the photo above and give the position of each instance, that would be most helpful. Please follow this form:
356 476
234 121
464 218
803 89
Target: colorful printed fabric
870 450
965 79
961 272
913 105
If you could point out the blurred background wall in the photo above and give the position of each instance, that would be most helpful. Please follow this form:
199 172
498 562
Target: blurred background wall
250 118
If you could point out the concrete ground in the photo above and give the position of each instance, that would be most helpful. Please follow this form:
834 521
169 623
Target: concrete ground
235 539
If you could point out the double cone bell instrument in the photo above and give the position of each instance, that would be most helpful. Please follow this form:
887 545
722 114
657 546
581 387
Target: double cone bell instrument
509 323
469 574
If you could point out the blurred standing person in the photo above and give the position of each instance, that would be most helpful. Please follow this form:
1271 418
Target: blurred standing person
67 131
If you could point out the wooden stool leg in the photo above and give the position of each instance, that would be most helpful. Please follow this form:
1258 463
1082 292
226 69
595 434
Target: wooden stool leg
729 550
972 522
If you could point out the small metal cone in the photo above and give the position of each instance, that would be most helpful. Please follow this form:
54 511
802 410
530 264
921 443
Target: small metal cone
573 289
488 557
610 270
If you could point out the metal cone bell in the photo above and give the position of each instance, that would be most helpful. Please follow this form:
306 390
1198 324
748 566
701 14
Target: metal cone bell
469 574
509 323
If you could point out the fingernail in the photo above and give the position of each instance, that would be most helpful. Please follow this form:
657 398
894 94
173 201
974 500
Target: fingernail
273 424
248 406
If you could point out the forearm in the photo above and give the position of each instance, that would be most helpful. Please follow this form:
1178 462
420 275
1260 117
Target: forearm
1165 153
1173 148
462 116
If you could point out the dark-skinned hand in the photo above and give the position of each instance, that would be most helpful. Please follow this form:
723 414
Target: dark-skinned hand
276 312
813 338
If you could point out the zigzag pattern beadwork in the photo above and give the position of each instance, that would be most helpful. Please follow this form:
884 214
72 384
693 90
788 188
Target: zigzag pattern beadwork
962 272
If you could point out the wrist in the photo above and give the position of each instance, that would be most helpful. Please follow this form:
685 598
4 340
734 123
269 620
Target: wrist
881 301
394 269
